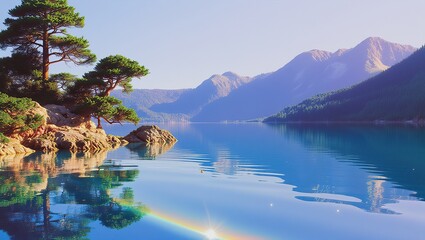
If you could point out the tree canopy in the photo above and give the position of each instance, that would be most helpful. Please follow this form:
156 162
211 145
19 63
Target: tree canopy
37 32
93 91
42 25
116 71
109 109
14 117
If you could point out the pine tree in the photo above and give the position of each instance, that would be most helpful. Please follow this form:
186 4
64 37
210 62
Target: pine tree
116 71
42 25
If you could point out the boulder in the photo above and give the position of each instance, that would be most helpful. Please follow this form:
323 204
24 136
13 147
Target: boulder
61 129
61 116
14 147
74 139
150 134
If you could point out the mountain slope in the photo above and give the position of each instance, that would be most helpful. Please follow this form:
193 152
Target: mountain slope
308 74
142 99
397 94
216 87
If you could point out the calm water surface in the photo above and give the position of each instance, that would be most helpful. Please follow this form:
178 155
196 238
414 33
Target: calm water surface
225 181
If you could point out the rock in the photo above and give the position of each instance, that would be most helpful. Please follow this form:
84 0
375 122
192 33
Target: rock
116 141
10 161
41 144
14 147
62 116
74 139
37 132
61 129
150 134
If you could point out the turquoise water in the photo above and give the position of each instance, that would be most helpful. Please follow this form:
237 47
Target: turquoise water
225 181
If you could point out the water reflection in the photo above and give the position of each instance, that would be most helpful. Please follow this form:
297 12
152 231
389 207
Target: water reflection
376 165
393 157
150 151
300 181
56 196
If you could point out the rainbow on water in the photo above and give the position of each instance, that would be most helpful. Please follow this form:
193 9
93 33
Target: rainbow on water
209 232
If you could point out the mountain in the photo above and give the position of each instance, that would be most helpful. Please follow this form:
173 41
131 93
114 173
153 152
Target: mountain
142 99
398 94
308 74
192 101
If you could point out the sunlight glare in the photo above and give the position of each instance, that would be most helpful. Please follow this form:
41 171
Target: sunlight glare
210 234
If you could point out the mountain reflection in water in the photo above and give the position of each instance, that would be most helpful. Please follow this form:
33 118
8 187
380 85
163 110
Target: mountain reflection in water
301 181
392 156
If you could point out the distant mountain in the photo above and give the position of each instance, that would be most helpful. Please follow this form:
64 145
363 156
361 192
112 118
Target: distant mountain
142 99
308 74
192 101
398 94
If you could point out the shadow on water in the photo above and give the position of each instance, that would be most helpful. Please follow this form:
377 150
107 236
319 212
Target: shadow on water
56 196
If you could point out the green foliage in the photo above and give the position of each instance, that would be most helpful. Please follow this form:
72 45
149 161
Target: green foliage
394 95
3 138
18 69
82 89
119 217
37 32
14 117
94 191
92 93
33 179
103 107
109 109
116 71
125 114
127 195
63 80
41 25
43 92
13 192
73 49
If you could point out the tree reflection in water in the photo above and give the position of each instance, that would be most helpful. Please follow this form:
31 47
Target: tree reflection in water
49 196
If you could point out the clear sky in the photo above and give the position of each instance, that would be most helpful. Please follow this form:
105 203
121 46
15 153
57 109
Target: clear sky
183 42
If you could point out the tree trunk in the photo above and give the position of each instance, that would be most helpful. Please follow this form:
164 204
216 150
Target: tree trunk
108 91
99 125
46 213
46 62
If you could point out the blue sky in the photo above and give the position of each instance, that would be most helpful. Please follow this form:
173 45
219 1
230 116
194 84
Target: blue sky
184 42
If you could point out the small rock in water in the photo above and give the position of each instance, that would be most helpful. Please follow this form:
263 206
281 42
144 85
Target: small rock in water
150 134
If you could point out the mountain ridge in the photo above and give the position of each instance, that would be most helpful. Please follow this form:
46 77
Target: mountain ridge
306 75
394 95
142 99
210 90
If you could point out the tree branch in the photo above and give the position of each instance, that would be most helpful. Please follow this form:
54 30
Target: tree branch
59 60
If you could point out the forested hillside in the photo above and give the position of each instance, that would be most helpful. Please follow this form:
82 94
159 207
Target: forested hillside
397 94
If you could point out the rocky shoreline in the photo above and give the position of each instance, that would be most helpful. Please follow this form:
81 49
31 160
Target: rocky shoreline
63 130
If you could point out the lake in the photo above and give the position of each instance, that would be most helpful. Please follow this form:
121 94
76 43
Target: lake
225 181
